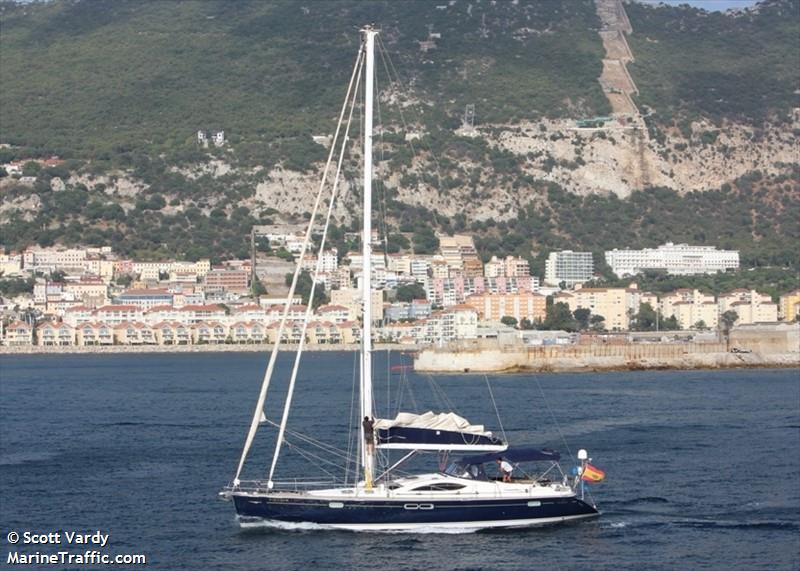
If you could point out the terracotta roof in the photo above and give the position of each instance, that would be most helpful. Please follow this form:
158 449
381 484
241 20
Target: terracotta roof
157 308
331 307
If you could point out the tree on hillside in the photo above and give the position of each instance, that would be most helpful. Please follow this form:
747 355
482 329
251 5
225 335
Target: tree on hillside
258 287
304 283
124 280
670 324
645 320
410 292
31 168
508 320
582 317
396 242
425 241
597 323
728 319
559 317
726 323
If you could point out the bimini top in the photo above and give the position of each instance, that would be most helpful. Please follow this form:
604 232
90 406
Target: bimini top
429 431
515 454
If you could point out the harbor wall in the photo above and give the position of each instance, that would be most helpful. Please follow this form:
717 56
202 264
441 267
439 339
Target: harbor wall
757 346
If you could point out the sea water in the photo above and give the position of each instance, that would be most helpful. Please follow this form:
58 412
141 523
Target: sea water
702 467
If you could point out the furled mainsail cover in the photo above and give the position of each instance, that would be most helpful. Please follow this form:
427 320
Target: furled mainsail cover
429 431
443 421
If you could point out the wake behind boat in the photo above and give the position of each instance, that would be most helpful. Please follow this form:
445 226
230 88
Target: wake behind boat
487 485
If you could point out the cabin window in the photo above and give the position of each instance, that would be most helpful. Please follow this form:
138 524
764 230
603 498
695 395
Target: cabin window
444 487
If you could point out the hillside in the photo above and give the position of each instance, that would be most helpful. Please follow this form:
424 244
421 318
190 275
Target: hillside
120 88
104 76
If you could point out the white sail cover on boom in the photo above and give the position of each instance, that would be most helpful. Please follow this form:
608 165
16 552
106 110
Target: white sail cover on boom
442 421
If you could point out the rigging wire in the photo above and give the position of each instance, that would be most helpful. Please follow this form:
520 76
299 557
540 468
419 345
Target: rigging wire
314 459
259 409
386 57
552 416
497 412
350 432
441 394
317 268
309 440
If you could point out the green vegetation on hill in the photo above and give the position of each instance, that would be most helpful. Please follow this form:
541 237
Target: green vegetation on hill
125 84
691 63
760 216
101 78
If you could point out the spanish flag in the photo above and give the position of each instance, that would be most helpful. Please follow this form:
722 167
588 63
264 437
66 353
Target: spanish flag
592 474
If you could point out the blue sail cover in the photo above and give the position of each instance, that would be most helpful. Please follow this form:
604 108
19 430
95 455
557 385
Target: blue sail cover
514 454
435 439
432 431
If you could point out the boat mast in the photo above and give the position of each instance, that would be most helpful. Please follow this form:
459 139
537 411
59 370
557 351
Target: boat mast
367 455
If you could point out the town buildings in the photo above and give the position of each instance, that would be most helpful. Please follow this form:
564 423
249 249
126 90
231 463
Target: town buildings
678 259
749 305
789 306
613 304
90 297
691 308
492 307
569 268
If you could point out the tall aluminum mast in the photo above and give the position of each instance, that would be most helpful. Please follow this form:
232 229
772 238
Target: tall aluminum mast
367 456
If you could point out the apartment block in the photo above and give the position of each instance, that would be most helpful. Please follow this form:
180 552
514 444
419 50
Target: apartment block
611 303
678 259
524 305
749 305
789 306
690 307
568 267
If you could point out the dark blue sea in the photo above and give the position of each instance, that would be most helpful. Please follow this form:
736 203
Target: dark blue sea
702 467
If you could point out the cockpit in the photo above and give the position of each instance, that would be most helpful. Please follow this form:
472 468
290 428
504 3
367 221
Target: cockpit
460 469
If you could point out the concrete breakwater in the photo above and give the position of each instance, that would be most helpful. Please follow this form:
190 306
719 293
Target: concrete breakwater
597 358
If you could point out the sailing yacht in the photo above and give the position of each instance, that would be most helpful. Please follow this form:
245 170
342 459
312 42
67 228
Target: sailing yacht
464 495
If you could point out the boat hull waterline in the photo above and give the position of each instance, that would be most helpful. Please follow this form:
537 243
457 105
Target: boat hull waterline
404 515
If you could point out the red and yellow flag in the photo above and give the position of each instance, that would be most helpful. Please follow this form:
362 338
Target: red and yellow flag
592 474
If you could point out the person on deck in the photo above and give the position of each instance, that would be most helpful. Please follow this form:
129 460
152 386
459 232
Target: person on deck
369 433
506 469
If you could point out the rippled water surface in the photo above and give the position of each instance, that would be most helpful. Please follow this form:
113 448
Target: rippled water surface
703 468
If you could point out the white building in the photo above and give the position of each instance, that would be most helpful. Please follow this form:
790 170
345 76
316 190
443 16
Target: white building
288 236
330 262
568 267
750 306
690 307
679 259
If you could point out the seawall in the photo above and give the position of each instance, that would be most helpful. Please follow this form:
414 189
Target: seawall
598 358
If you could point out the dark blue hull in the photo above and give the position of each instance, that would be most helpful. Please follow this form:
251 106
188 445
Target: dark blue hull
402 514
